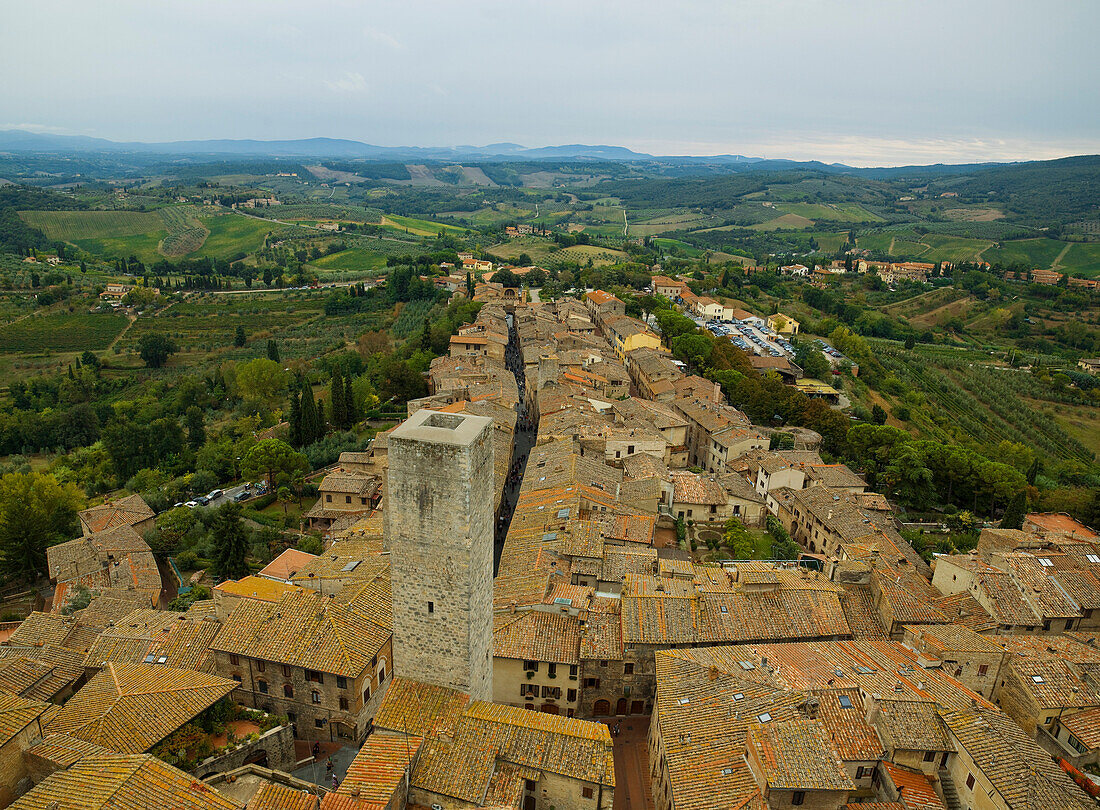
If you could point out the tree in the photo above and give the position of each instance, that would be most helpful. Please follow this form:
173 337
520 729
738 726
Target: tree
239 339
737 539
36 511
1015 512
336 401
230 543
694 349
155 349
272 350
295 419
285 496
196 430
878 414
910 342
270 457
262 382
349 403
908 478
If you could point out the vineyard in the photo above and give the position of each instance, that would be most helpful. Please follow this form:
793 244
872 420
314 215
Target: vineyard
61 332
318 211
186 233
70 226
983 403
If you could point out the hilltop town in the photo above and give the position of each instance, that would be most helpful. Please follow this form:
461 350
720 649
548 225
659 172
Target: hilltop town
573 576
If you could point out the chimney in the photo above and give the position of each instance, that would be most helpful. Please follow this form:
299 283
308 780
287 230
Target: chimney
713 673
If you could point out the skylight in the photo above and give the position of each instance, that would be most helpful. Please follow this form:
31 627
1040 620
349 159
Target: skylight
845 702
1038 678
764 718
684 701
1043 561
746 665
738 696
1092 558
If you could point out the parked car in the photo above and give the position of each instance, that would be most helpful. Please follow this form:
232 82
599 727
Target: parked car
191 504
203 500
242 496
215 494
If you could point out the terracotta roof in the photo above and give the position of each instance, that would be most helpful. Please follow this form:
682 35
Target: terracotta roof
129 708
911 725
539 636
1085 726
122 782
155 636
913 787
306 629
86 555
250 587
1017 767
39 672
418 708
796 755
690 487
378 770
852 738
273 796
60 751
124 512
16 713
286 564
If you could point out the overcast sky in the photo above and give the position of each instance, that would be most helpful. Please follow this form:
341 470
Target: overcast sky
856 81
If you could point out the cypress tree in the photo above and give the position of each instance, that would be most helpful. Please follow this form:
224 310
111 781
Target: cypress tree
320 427
309 416
336 401
272 350
1015 512
349 402
295 419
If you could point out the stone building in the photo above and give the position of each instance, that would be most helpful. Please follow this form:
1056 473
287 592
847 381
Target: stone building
439 530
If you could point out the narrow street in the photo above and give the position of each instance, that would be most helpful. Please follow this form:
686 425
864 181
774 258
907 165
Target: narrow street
523 441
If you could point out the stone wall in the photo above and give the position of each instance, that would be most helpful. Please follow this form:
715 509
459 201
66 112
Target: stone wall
439 527
277 744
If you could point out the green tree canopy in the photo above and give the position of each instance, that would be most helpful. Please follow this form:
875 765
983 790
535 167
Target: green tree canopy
36 511
155 349
230 543
262 382
270 457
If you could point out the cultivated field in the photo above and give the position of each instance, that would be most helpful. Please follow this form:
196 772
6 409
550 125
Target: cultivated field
69 226
61 332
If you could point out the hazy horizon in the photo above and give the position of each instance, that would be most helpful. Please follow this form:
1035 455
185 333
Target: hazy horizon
857 82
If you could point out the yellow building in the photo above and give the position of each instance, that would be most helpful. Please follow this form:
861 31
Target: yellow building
783 324
627 334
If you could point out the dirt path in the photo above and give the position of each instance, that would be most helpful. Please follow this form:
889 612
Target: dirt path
890 250
130 321
1058 259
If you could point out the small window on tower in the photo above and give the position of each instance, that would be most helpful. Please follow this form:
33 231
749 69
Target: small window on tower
431 607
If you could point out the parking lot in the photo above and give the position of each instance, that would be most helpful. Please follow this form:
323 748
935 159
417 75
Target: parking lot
751 338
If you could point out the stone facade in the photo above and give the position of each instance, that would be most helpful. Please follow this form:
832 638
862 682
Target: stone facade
318 706
439 526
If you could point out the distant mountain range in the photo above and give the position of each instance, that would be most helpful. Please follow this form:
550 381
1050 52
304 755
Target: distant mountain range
16 140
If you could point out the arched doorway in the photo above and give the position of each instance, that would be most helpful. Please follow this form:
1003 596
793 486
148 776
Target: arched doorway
258 757
601 708
549 708
620 706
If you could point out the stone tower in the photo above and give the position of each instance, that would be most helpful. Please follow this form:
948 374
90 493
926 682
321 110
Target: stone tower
439 531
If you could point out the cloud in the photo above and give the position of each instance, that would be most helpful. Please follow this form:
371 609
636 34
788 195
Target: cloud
44 128
383 38
349 82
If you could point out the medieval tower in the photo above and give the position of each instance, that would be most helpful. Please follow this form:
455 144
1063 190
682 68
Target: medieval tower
439 531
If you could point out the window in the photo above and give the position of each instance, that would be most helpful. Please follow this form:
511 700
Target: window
431 607
859 772
592 683
314 677
572 670
262 686
328 499
315 696
1037 679
798 797
943 759
970 781
529 785
552 670
347 499
288 690
344 704
341 682
286 671
382 673
292 717
260 666
235 660
1043 561
603 663
929 756
530 666
319 722
363 501
628 669
237 678
845 702
764 718
586 792
366 694
571 695
983 669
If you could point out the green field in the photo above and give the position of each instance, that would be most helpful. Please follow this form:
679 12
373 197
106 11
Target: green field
61 332
953 248
70 226
838 212
1032 252
354 260
418 227
145 247
1082 259
233 235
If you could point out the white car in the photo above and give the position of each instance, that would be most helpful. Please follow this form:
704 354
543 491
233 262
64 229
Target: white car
191 504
